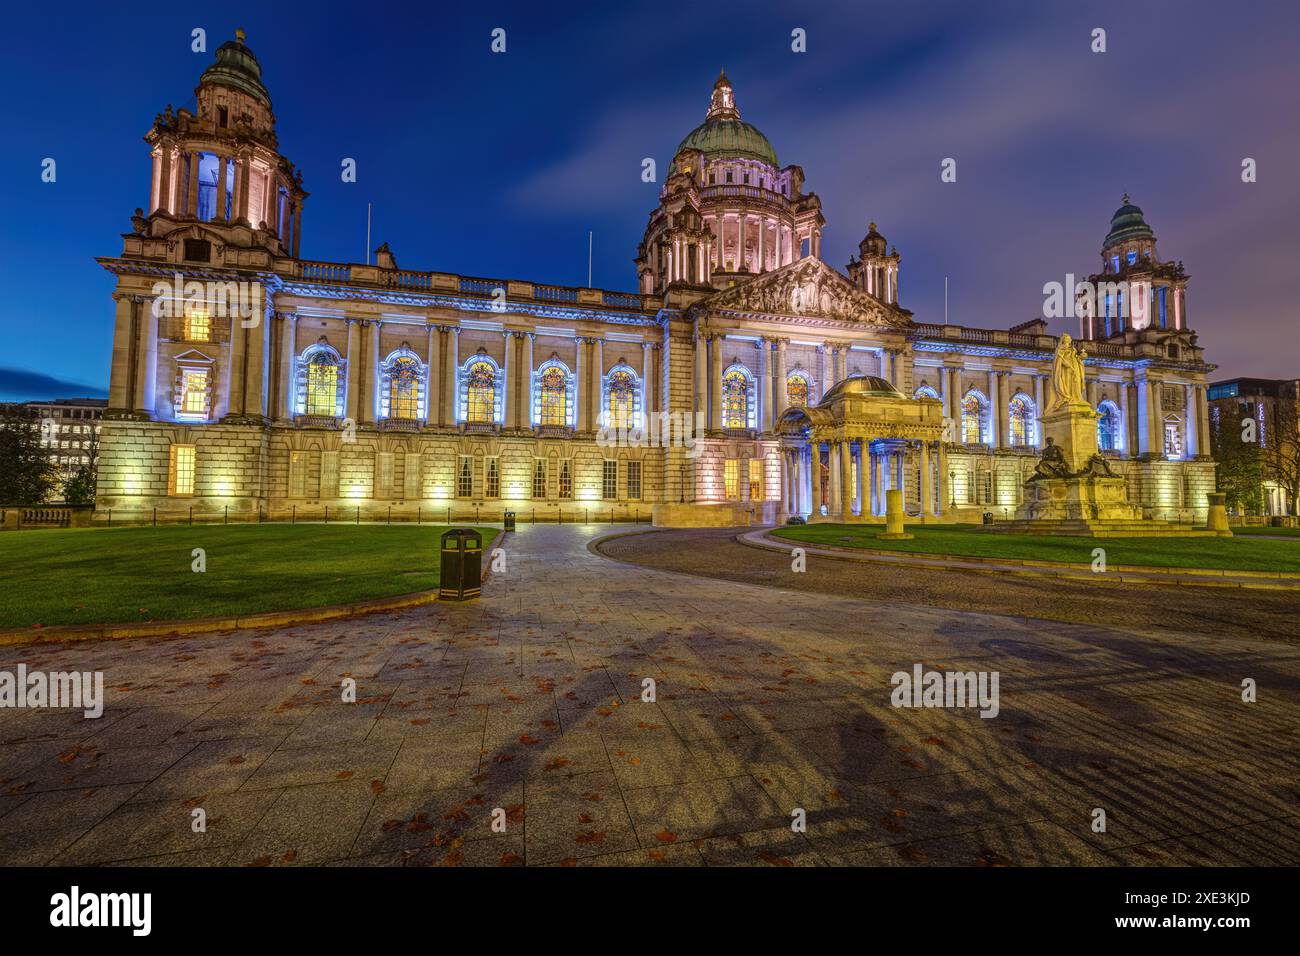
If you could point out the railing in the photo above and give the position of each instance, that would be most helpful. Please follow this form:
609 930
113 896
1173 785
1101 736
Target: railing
555 293
963 334
623 300
407 280
465 511
400 425
482 286
325 271
316 421
744 192
1022 339
45 516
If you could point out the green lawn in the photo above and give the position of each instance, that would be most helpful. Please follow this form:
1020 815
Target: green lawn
1240 554
121 575
1267 531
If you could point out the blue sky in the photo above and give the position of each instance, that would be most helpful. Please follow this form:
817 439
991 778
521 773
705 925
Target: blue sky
497 165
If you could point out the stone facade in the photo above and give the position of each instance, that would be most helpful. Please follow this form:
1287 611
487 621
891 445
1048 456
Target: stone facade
248 378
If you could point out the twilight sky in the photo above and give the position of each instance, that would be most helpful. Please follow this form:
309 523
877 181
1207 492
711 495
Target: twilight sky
497 165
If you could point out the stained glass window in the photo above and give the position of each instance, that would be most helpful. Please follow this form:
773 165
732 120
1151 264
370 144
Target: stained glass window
322 385
481 392
735 399
972 418
796 391
404 387
1021 431
553 387
621 399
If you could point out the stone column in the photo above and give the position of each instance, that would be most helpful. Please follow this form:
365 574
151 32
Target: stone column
784 461
146 373
701 375
944 490
192 192
647 381
1038 410
864 479
1203 416
715 357
451 380
1191 422
432 397
370 413
815 469
526 370
996 409
879 479
597 376
927 496
846 480
353 359
166 159
288 352
833 466
765 373
781 399
1126 428
583 377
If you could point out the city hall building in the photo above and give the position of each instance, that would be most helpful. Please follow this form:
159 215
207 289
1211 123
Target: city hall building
744 380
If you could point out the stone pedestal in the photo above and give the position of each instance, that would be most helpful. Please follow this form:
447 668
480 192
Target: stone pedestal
894 516
1077 499
1217 519
1073 429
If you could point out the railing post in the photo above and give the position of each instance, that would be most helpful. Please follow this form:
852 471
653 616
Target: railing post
155 517
225 518
191 515
293 518
358 521
417 516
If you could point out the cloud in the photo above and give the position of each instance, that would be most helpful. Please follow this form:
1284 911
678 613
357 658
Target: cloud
20 385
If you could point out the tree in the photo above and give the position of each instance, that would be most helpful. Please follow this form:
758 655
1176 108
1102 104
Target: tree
28 475
1281 449
1240 473
79 489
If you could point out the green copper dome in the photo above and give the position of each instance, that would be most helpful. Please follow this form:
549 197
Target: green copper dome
723 133
236 66
861 385
1127 223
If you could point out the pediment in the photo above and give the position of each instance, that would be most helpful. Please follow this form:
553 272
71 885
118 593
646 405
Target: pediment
807 287
194 357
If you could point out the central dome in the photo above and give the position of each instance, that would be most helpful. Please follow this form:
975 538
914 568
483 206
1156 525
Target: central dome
236 66
723 133
1127 223
861 385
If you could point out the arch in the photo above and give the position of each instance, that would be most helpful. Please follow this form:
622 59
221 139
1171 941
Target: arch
320 381
1021 417
797 387
621 403
1110 431
480 386
974 417
402 391
925 391
553 403
738 405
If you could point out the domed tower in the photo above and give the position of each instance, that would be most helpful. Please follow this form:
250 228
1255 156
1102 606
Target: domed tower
727 210
220 166
1134 290
876 272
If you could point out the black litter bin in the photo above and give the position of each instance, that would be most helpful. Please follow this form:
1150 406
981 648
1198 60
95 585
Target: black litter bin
462 565
988 517
510 521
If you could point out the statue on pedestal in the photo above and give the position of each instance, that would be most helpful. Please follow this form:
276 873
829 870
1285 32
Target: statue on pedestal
1067 374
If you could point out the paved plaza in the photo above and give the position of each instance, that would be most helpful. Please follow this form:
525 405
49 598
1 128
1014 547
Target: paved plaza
769 698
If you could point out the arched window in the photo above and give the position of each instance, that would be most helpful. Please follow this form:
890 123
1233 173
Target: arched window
925 391
974 412
1110 434
480 391
320 382
553 395
738 398
1021 420
796 390
402 386
622 398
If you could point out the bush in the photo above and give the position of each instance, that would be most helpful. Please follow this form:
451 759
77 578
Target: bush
795 519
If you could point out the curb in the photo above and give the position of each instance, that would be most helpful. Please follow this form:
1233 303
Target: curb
1118 574
58 633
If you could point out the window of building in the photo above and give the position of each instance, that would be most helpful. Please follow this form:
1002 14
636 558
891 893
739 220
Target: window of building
182 470
756 479
465 478
1132 258
553 403
566 478
492 479
609 479
198 325
1110 435
731 478
320 382
634 480
925 391
1114 263
539 477
738 398
1021 421
194 393
402 386
480 392
973 412
796 390
622 398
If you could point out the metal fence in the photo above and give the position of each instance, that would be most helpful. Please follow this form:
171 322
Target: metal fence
327 514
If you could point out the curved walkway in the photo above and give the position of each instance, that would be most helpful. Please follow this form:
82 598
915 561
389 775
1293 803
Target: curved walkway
766 701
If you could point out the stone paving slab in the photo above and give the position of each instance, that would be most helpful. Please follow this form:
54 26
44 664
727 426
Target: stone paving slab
768 700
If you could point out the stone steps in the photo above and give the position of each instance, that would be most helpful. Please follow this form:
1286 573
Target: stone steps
1100 528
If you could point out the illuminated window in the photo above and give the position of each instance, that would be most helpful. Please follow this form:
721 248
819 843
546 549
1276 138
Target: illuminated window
479 392
1173 438
731 478
320 382
1110 434
465 478
973 409
492 479
402 386
198 325
552 395
182 470
566 478
622 398
539 477
737 398
796 390
755 479
194 393
1021 421
925 391
609 479
634 479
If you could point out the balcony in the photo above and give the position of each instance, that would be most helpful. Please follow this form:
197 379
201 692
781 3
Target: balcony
400 425
316 421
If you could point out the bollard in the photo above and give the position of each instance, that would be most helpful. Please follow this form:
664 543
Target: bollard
1216 519
894 517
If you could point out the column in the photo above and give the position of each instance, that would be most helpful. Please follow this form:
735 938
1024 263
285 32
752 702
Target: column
1090 392
121 387
740 244
1038 410
353 360
526 369
827 374
146 372
833 467
165 177
647 381
765 373
1191 422
288 352
451 362
701 376
815 476
864 479
369 412
1203 416
846 480
784 460
510 375
927 496
219 214
192 192
432 381
944 491
878 476
779 385
583 378
597 378
996 409
715 357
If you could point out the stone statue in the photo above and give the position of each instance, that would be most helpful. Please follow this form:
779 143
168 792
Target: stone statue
1052 464
1067 374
